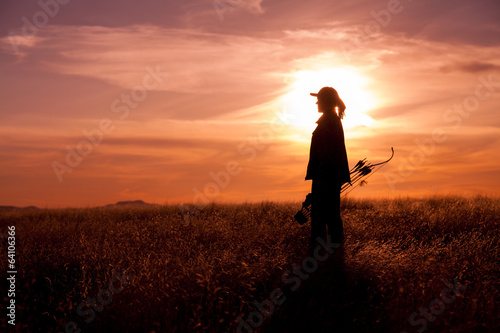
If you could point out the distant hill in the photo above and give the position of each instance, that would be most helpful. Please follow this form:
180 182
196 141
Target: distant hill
131 203
11 208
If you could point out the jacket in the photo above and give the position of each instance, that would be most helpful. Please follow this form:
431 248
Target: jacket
328 156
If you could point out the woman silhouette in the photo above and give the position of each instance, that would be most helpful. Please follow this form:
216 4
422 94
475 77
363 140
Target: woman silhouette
328 167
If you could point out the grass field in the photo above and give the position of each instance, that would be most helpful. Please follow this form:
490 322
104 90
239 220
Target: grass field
145 269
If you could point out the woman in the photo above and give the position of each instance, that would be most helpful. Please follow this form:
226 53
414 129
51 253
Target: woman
328 167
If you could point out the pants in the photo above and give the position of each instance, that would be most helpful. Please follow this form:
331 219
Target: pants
325 211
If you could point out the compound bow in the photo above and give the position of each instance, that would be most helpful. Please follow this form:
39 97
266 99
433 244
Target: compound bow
359 173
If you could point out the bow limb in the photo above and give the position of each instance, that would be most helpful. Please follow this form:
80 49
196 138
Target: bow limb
384 162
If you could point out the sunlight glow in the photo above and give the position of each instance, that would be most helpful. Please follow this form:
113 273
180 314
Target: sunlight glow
350 86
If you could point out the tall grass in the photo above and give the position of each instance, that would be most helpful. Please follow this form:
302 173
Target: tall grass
202 275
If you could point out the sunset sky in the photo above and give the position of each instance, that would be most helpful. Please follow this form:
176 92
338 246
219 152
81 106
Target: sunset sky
189 101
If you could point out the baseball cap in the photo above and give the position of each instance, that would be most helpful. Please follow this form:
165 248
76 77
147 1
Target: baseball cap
326 93
331 96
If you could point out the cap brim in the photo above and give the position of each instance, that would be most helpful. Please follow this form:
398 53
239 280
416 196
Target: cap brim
314 94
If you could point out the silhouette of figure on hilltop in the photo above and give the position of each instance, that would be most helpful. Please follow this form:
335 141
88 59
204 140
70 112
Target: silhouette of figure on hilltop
328 167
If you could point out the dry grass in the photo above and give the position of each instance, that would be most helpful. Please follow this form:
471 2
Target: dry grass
203 275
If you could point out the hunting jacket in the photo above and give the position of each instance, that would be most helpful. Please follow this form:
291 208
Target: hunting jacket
328 156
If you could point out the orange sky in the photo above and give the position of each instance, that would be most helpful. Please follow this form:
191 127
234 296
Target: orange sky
161 100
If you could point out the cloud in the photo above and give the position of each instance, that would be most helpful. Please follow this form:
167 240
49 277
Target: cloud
252 6
472 67
221 86
191 61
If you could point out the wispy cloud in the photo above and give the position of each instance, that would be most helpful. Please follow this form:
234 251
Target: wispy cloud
193 60
222 85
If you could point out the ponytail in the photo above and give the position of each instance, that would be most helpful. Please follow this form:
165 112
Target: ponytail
340 107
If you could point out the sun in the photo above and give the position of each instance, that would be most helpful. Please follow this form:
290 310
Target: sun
351 86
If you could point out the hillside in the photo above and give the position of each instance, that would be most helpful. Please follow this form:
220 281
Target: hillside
243 268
